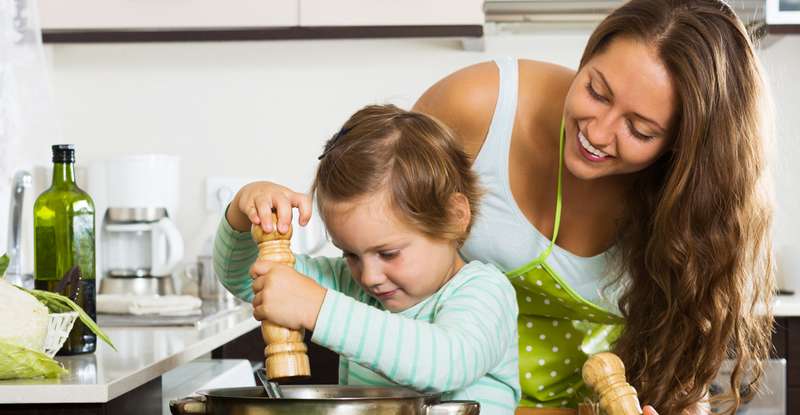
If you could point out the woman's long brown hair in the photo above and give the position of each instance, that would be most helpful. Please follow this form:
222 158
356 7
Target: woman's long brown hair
694 241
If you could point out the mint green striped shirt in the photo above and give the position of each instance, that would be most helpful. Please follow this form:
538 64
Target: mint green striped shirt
461 341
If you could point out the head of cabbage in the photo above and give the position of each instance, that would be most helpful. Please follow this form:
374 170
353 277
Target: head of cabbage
23 328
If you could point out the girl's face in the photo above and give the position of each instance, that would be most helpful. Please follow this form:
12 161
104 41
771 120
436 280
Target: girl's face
617 111
392 262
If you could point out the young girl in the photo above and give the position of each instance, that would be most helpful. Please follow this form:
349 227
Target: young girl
401 307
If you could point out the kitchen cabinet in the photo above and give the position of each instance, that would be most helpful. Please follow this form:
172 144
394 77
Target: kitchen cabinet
202 20
390 12
792 356
59 15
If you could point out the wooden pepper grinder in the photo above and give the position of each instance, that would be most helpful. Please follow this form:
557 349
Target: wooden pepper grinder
285 353
605 374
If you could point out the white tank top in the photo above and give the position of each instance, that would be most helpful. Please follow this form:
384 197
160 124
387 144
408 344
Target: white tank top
501 234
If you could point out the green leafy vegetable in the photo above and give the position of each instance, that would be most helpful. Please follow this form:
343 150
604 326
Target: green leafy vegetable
4 260
57 303
18 362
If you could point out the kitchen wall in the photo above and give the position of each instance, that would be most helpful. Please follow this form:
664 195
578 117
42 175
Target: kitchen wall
264 109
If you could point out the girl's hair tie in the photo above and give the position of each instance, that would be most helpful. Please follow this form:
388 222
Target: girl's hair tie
332 142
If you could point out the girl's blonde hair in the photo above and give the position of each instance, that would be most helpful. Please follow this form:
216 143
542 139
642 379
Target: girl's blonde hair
411 156
695 239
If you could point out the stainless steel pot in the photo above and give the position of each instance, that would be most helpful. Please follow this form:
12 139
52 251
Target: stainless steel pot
322 400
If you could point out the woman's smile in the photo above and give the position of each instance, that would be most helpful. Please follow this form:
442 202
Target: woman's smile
589 151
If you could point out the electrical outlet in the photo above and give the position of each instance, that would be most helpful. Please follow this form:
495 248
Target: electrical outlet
221 190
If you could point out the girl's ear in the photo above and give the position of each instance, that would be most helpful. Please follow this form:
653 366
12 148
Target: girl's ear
460 212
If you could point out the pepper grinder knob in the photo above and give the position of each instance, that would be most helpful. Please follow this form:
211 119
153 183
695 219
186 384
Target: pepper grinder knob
605 374
285 353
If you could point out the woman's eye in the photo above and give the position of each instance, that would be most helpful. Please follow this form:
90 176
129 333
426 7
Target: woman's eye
388 254
594 93
638 134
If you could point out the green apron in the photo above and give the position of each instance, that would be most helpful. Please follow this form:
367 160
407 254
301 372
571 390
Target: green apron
558 329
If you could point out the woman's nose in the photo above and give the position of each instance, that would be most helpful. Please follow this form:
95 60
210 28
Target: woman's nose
602 131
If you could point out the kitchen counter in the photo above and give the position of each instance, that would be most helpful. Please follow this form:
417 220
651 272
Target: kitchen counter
787 305
146 353
143 354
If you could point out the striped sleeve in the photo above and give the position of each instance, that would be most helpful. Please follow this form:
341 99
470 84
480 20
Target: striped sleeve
469 336
234 252
333 274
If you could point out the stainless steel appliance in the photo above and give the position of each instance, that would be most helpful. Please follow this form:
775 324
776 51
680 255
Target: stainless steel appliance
14 274
139 245
782 12
770 401
141 248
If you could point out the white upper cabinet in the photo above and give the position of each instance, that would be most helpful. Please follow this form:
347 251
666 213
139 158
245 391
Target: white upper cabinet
60 15
166 14
391 12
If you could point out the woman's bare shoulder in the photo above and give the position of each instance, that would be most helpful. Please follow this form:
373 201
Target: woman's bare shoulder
464 101
543 88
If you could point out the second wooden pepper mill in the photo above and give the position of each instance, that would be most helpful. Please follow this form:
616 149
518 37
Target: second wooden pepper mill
285 353
605 374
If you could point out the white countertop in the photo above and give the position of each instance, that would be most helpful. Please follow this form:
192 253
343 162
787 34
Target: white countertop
787 305
143 354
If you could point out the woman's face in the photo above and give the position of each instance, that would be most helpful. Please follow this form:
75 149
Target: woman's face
617 111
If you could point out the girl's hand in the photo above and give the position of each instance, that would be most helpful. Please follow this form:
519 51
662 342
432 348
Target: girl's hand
648 410
255 201
285 297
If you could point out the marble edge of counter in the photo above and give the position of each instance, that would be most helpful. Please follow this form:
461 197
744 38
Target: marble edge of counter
786 305
133 381
30 392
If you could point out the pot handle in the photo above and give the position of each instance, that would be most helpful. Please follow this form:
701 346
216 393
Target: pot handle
188 405
454 408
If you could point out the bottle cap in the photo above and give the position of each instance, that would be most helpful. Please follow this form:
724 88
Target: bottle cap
63 153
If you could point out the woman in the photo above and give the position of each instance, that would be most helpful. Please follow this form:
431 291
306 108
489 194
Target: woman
662 222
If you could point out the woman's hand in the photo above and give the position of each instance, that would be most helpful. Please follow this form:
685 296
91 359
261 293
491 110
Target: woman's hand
255 201
285 297
648 410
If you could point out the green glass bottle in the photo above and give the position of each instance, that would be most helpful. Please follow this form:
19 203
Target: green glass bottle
63 237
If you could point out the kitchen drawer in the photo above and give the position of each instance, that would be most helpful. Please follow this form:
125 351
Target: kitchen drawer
779 339
793 401
793 353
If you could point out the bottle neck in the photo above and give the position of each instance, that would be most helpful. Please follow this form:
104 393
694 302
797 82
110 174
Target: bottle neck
63 174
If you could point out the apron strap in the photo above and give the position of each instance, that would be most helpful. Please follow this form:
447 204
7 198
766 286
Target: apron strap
557 222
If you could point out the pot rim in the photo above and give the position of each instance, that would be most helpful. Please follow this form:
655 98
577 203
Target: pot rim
229 393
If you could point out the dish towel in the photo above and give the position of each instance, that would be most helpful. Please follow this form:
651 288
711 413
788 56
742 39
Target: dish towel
161 305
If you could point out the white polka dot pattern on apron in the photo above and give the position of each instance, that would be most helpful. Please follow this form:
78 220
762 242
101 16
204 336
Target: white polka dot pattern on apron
557 332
